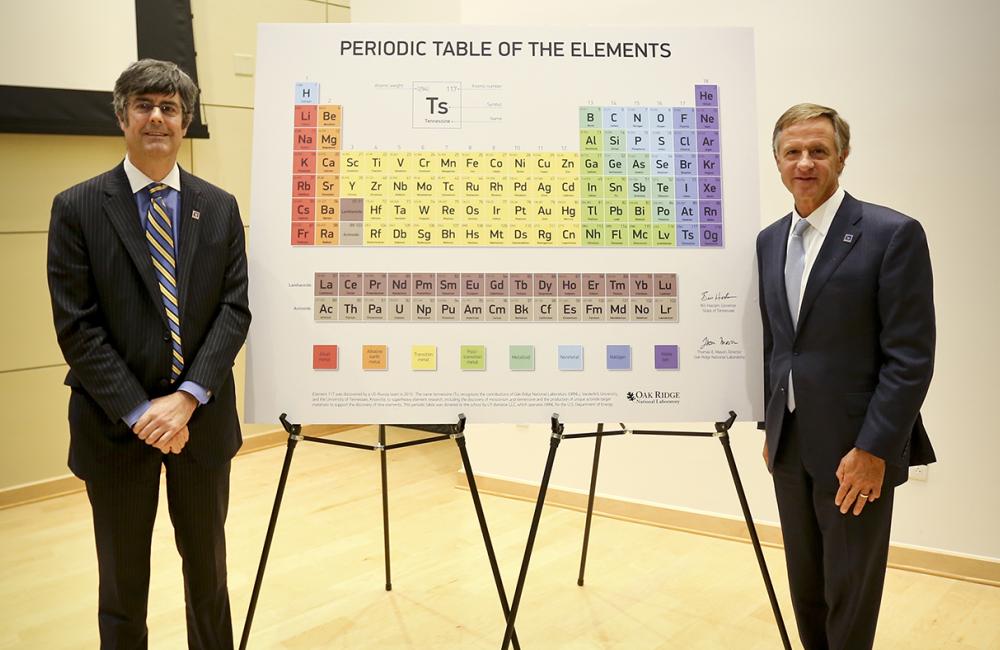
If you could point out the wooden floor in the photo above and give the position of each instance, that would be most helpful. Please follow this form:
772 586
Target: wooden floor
646 587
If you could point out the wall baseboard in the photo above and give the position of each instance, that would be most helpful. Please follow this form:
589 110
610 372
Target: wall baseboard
63 485
932 562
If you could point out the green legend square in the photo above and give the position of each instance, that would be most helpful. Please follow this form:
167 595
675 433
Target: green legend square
522 357
473 357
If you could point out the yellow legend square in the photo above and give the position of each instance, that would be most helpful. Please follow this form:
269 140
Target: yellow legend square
423 357
374 357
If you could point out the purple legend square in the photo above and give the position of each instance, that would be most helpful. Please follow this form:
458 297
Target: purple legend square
665 357
706 95
619 357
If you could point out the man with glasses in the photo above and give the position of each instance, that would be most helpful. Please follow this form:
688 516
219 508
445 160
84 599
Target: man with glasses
148 280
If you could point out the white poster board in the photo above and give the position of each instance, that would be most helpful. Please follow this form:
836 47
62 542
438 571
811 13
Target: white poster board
503 221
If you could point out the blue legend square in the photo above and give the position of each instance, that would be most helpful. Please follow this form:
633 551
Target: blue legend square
570 357
619 357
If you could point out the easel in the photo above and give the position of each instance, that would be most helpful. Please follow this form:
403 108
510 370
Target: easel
455 432
721 432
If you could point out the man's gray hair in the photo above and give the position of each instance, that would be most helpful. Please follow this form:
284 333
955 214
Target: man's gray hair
150 76
803 112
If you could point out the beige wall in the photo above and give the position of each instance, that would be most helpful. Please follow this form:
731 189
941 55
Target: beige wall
33 168
917 81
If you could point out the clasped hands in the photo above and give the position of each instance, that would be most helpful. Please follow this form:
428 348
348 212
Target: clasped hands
164 424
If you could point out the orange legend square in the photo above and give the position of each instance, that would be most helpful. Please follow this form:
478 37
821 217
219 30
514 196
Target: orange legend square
324 357
374 357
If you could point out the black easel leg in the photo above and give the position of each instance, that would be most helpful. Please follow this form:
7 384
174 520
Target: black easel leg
590 502
543 488
460 441
385 505
724 439
292 441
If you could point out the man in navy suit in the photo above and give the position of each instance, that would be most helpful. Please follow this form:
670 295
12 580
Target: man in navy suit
848 313
148 279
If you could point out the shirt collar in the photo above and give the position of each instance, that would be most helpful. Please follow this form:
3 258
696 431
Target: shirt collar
139 181
822 217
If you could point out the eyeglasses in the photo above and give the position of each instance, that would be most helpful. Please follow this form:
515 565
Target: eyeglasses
144 107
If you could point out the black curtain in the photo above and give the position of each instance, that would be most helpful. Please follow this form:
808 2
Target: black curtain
163 31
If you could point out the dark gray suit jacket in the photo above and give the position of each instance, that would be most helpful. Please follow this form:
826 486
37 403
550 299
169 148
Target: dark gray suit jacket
862 354
111 325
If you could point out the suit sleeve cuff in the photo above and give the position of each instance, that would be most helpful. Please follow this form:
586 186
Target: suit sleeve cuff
133 416
196 391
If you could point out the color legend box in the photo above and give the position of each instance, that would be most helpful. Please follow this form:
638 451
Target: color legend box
570 357
619 357
666 357
374 357
473 357
423 357
325 357
522 357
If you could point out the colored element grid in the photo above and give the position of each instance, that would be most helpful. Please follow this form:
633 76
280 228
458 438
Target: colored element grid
643 177
496 297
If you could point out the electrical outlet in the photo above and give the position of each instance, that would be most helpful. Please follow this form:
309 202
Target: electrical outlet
918 473
243 65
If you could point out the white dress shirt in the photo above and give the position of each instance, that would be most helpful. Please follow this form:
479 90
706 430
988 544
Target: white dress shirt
812 241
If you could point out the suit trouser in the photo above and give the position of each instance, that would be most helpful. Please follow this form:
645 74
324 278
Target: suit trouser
124 510
836 563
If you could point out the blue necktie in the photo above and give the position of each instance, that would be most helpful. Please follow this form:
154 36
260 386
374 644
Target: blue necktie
160 237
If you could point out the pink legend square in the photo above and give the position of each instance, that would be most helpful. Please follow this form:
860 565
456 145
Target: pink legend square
324 357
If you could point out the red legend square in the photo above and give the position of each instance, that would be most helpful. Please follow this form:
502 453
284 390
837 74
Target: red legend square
324 357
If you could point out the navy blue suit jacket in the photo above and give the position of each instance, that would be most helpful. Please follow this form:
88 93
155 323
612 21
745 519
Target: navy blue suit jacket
862 353
112 327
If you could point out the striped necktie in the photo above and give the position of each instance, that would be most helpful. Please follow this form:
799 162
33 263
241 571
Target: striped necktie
160 237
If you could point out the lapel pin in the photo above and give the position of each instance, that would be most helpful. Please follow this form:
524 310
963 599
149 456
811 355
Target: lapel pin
195 215
848 238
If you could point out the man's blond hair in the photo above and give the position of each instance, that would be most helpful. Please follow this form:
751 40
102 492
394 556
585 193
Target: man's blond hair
806 111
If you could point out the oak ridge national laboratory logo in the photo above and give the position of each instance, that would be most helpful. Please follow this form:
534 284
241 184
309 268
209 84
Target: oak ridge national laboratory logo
653 396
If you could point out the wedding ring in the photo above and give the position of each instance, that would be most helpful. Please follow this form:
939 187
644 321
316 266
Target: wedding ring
863 496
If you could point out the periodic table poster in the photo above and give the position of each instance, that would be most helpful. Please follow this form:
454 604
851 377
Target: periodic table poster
506 222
